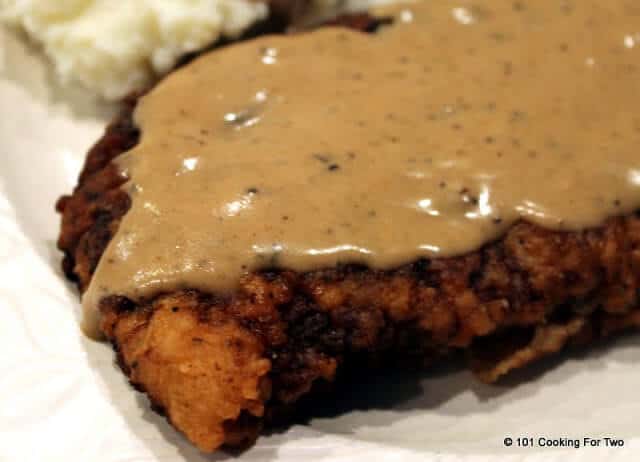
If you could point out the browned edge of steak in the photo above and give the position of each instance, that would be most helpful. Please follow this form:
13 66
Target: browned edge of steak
513 301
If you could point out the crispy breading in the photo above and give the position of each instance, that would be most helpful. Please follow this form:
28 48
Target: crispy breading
202 368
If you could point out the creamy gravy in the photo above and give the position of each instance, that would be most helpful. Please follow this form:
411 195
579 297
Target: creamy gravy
427 139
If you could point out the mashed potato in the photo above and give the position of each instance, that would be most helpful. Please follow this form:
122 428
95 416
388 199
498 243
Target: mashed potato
115 46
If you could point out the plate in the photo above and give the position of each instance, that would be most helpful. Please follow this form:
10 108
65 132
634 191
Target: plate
62 398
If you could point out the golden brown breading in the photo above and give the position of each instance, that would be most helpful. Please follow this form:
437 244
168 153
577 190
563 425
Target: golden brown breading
202 371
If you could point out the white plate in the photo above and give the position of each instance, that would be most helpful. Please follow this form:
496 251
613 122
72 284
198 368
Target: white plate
62 398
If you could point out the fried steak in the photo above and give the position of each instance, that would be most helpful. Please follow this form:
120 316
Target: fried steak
221 367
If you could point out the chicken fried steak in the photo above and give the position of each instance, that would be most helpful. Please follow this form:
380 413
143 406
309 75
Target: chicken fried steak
220 363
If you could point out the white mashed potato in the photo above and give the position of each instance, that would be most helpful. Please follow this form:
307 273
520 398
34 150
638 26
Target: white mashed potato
115 46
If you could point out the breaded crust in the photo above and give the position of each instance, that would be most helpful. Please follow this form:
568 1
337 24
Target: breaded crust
220 367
